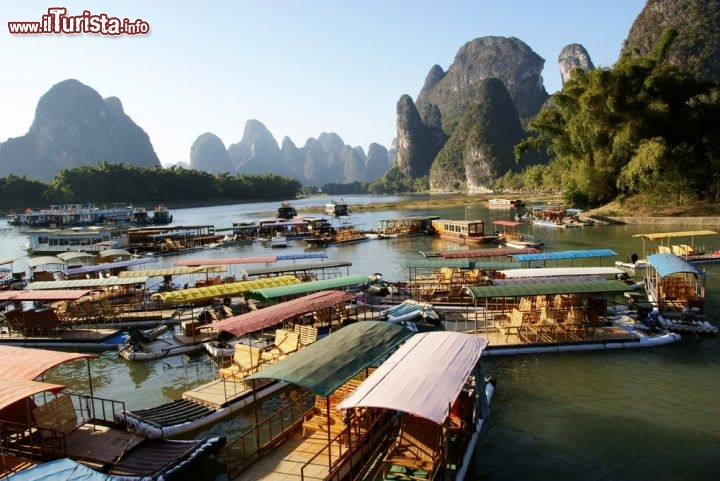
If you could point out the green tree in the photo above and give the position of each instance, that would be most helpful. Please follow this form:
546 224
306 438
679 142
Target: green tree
642 125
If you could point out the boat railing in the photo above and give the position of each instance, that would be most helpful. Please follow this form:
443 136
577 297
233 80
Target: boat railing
250 445
367 444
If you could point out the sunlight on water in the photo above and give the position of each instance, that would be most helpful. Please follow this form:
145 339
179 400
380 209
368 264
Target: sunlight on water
621 415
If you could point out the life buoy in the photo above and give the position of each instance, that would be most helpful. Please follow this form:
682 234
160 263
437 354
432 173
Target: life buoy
326 236
165 248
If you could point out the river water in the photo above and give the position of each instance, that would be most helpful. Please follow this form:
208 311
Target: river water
618 415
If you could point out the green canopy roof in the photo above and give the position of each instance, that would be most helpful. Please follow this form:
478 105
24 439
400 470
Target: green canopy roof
307 287
325 365
519 290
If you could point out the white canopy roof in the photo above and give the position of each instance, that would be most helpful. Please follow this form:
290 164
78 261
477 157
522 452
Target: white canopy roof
423 377
559 271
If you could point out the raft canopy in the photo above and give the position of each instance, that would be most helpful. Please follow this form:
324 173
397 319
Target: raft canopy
108 266
561 255
669 264
269 293
254 321
459 264
667 235
201 294
50 295
173 271
325 365
29 363
443 360
561 271
85 283
548 288
307 266
14 390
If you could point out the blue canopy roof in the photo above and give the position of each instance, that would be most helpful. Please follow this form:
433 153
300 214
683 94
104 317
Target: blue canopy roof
109 265
668 264
575 254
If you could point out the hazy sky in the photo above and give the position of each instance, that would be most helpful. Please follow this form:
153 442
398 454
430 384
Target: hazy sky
301 67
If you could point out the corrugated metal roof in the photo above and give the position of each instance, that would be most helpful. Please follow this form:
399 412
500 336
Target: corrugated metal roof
595 287
44 296
668 264
576 254
305 287
325 365
269 316
200 294
88 283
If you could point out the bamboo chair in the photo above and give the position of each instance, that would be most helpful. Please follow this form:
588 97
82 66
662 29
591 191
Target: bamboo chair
246 360
286 343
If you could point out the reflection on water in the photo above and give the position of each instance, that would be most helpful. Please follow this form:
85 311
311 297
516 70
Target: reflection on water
621 415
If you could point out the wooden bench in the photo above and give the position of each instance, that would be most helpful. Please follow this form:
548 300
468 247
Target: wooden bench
246 360
286 343
307 334
57 415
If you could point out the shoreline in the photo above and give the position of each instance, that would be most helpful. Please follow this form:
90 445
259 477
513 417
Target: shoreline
455 200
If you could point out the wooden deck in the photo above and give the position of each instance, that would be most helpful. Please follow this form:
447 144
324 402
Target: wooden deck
99 444
219 392
492 330
284 462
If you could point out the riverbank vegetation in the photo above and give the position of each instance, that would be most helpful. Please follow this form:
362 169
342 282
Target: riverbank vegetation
175 186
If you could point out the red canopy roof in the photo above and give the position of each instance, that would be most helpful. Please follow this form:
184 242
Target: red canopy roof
507 223
28 363
13 390
270 316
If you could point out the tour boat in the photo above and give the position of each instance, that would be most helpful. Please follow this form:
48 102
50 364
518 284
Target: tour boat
466 231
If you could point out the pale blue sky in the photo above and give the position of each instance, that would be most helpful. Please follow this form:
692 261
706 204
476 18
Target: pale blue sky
301 67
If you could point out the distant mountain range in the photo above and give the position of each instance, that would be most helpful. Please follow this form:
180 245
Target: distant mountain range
459 131
320 161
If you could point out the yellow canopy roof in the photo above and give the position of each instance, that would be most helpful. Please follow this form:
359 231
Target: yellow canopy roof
665 235
200 294
173 271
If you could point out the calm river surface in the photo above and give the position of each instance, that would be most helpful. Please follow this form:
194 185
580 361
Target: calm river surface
646 414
